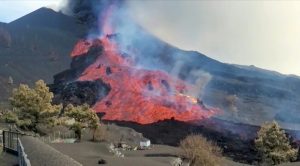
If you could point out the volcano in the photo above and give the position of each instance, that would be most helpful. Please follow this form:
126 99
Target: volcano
123 72
135 94
135 79
269 94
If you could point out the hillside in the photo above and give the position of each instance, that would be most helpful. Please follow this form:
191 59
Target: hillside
40 44
242 92
35 47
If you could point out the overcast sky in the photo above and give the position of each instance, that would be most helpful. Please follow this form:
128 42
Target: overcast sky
261 33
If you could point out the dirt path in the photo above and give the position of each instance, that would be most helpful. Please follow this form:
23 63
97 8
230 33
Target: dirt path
41 154
7 159
88 153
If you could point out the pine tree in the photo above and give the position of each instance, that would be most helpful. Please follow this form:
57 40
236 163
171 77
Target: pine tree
84 116
33 105
93 123
273 144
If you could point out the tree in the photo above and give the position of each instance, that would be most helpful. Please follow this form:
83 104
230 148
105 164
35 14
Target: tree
84 116
33 105
200 151
8 116
93 123
273 144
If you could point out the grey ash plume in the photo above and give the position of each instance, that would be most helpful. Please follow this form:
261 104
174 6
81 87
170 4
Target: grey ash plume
89 12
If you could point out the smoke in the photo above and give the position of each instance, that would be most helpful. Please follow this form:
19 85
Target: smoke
90 12
149 52
231 102
82 10
239 32
202 79
108 17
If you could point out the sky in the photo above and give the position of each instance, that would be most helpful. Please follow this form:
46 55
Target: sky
261 33
13 9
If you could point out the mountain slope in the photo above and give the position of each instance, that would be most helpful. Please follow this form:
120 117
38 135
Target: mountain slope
42 40
35 47
242 92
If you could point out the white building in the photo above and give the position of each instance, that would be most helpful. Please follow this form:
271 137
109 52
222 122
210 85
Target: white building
145 143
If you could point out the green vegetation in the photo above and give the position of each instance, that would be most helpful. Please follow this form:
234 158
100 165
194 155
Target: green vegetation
33 110
200 151
34 105
100 134
8 117
84 116
273 144
94 125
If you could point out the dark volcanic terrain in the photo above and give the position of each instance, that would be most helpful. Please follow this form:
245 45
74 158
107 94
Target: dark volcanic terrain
37 46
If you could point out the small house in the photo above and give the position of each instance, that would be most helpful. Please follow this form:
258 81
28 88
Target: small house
145 143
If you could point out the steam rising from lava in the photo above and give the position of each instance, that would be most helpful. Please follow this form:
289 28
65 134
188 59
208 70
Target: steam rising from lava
130 62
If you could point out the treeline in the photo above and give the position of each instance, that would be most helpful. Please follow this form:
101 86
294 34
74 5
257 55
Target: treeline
31 107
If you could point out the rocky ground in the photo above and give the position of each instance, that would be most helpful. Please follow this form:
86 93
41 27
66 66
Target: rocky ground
89 153
7 159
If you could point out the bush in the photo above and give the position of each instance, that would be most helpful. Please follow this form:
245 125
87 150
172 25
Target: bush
24 124
100 134
9 117
273 144
199 151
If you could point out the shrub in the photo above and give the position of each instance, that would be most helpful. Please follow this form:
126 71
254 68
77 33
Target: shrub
199 151
273 144
100 134
9 117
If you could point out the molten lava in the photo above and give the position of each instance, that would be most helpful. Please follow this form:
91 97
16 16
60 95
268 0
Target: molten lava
138 95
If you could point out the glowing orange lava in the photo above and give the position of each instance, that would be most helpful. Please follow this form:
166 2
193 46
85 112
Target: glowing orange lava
138 95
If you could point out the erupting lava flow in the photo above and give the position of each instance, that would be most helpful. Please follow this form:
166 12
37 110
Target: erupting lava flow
138 95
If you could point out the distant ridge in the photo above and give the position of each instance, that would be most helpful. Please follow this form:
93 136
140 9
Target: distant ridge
2 24
48 18
40 44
